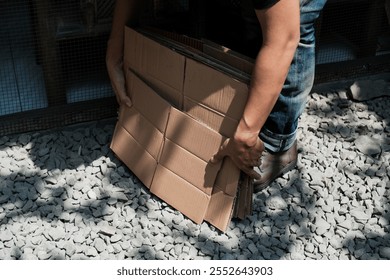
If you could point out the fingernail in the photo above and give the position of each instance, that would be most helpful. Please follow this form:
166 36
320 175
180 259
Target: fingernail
214 160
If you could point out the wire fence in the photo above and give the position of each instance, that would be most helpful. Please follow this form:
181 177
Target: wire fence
52 52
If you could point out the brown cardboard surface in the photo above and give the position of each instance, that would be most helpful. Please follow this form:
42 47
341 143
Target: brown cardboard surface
133 154
142 131
133 51
193 135
189 167
168 148
177 171
138 136
153 107
241 203
228 177
249 205
226 126
180 194
160 67
220 209
214 89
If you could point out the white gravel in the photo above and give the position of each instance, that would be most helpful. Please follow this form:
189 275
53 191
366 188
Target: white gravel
64 195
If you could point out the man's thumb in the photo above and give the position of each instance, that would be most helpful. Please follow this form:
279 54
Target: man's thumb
125 100
128 102
221 153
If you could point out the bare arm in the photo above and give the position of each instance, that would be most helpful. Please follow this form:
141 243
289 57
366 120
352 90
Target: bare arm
280 28
125 11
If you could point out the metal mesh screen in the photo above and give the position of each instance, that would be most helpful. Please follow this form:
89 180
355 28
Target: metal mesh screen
354 39
21 78
52 52
351 30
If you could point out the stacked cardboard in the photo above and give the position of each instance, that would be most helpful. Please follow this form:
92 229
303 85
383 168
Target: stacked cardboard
183 110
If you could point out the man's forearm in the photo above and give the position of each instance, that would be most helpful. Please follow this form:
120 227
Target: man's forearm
269 74
280 26
125 11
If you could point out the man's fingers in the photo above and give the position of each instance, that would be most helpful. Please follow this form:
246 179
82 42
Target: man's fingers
221 152
117 78
121 96
259 145
126 101
258 149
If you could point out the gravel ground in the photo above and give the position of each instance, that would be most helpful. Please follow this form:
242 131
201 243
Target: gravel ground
64 195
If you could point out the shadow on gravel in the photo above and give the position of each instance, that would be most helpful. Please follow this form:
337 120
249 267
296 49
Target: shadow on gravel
283 219
46 169
334 205
336 200
60 177
56 184
362 129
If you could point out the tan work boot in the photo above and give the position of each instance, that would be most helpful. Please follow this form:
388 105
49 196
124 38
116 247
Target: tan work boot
274 165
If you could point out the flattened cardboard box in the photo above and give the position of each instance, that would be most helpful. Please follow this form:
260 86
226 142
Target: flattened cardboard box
168 147
173 162
204 92
139 134
161 67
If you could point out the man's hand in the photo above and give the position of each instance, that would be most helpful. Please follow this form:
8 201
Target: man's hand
114 62
245 150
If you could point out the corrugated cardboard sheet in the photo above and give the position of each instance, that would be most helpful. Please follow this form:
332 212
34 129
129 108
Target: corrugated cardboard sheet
184 107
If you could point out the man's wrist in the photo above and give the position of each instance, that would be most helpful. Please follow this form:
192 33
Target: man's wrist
116 39
245 135
114 49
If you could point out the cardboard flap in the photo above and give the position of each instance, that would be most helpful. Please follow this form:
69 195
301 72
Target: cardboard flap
163 64
133 50
193 135
191 168
146 101
228 177
214 89
134 155
224 125
142 131
180 194
160 67
220 210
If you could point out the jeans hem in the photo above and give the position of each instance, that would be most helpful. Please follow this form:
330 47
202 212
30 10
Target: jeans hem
277 142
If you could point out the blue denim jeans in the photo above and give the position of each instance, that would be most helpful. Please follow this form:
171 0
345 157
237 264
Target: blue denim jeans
279 131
